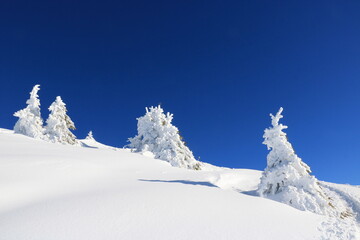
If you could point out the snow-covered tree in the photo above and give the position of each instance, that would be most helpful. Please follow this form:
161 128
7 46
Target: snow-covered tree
287 178
30 122
90 136
156 134
59 124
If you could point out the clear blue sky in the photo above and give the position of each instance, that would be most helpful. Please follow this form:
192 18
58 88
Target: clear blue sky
220 66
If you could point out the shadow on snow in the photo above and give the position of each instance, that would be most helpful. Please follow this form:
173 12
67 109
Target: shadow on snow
87 146
207 184
253 193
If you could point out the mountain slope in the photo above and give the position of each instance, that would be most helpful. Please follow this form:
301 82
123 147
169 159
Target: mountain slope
53 191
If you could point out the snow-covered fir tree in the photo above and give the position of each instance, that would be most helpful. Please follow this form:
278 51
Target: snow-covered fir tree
59 124
287 178
90 136
157 135
30 122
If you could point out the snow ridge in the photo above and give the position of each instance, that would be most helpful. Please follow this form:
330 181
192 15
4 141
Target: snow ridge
347 226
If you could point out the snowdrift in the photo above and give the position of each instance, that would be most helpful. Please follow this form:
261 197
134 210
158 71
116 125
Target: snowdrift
97 192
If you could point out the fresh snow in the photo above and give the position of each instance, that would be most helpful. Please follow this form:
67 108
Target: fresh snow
95 192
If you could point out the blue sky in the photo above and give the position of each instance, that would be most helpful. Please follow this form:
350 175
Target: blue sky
219 66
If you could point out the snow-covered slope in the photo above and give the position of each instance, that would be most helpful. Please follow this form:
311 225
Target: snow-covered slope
52 191
92 143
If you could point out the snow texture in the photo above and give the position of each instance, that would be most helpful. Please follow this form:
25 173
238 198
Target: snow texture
90 142
55 191
157 135
346 225
59 124
30 122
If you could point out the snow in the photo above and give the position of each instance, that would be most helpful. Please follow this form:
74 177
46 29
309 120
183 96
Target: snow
54 191
92 143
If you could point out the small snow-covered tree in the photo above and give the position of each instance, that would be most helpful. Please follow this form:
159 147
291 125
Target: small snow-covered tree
157 135
90 136
59 124
30 122
287 178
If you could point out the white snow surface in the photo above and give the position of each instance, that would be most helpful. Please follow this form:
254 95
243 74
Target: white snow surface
52 191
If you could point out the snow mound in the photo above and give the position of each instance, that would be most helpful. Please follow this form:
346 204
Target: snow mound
92 143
